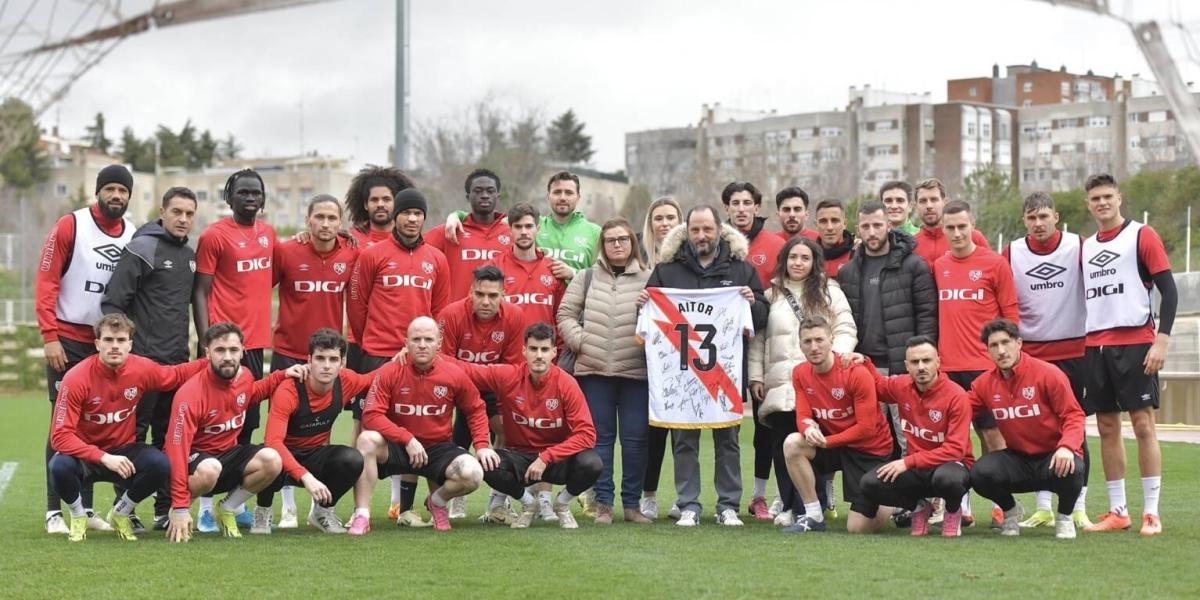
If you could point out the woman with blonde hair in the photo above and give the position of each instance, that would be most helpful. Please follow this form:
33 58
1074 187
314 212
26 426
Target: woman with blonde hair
597 320
800 288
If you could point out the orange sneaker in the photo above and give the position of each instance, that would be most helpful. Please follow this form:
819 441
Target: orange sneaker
1111 522
997 517
1151 525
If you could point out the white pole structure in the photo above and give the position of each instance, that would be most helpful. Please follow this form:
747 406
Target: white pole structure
999 241
1187 244
1145 217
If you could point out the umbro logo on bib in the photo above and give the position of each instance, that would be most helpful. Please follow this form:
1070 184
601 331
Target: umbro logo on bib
110 252
1103 258
1046 271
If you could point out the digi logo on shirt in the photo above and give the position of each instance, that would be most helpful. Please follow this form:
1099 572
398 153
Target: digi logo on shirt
254 264
531 298
1005 413
416 281
833 414
312 287
108 418
478 254
230 425
961 294
420 410
535 422
485 357
921 432
564 254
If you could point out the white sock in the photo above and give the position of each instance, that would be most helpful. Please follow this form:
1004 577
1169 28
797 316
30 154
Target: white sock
544 496
528 499
366 512
124 505
1151 486
1043 500
966 504
395 489
813 511
438 498
497 499
77 510
1081 501
1116 497
564 497
760 488
288 493
235 502
205 503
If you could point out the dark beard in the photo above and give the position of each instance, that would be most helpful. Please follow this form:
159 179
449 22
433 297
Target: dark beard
109 213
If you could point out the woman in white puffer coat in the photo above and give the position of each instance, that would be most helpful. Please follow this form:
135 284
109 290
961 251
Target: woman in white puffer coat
800 288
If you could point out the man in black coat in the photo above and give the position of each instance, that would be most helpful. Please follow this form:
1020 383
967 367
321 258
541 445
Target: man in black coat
152 285
702 255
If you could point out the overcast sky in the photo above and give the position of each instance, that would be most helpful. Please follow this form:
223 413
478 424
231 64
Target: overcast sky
622 65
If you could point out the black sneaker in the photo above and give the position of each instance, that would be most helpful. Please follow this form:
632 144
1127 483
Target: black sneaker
804 524
138 527
902 518
161 522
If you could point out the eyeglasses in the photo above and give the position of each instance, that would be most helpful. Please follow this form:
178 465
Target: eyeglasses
618 241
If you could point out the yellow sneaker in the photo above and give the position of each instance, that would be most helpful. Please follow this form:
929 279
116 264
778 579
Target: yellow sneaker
226 521
410 518
1081 519
394 511
1040 518
123 526
78 531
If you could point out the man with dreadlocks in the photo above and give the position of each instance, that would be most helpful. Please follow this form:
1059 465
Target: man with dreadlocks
233 284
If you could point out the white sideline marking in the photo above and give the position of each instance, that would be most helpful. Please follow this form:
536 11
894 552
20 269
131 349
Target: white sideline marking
6 474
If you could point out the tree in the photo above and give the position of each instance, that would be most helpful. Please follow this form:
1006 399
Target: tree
95 134
566 140
996 201
229 148
138 154
24 164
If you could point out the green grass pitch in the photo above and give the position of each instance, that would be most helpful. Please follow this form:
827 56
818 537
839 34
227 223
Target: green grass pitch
620 561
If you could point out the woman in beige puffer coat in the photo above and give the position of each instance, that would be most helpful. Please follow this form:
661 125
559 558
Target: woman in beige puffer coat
775 351
610 364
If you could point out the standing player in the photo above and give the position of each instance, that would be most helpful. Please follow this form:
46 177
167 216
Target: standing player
312 281
975 285
77 262
932 243
791 206
935 418
153 285
897 197
839 428
202 442
529 279
549 435
1048 275
299 423
1042 425
836 241
407 428
94 424
484 236
1121 264
482 329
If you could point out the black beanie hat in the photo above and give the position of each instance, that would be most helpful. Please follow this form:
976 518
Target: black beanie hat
114 174
409 198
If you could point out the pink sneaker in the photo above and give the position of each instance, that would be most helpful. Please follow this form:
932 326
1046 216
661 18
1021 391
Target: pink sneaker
920 520
359 525
759 509
441 514
952 524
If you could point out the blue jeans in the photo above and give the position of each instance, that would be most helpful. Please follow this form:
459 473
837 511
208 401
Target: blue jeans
617 402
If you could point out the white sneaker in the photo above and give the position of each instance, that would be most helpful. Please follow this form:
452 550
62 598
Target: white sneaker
1064 527
501 514
674 513
545 511
262 521
95 523
55 523
688 518
785 519
566 520
458 507
287 517
525 519
776 507
729 518
648 506
326 520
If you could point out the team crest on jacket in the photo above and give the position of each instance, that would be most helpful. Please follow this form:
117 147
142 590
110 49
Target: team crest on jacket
498 337
510 281
837 393
440 391
1027 393
263 241
759 259
192 265
131 393
504 239
427 267
975 275
241 400
935 416
339 268
547 280
552 404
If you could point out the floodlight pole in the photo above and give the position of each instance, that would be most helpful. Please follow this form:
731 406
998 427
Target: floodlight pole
400 151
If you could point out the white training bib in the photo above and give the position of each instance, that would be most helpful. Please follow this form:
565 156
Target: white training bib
93 261
1049 290
695 355
1113 287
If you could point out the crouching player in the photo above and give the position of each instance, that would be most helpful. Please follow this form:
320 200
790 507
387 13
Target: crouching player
206 458
94 422
548 431
935 417
301 417
839 428
1042 426
407 428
